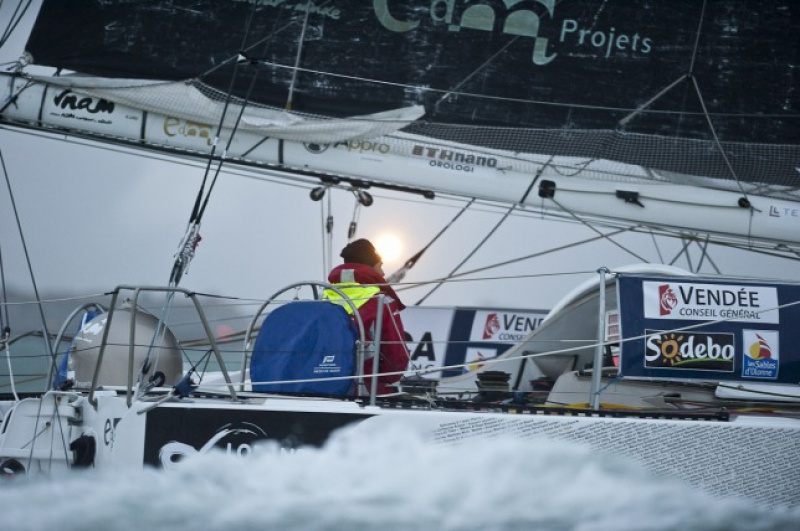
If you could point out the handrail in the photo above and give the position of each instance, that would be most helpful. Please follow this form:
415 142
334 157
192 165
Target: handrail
134 309
373 392
61 331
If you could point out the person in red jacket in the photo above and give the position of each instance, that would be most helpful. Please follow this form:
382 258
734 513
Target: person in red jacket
361 279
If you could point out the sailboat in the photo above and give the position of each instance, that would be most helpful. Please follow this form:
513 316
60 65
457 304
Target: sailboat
591 113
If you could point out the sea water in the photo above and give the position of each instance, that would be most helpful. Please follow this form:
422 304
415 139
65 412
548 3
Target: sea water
391 480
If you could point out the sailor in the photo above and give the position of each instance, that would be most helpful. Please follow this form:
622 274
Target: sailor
361 279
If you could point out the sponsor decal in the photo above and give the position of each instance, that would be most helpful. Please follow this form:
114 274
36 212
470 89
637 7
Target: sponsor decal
689 350
504 326
427 332
476 356
361 146
455 15
710 302
761 354
449 159
667 300
67 99
186 128
424 355
492 326
235 439
67 105
364 146
110 431
784 212
327 367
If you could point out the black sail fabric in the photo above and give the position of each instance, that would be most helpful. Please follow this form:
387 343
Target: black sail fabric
660 83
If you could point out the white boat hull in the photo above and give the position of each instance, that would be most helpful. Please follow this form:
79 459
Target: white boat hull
743 457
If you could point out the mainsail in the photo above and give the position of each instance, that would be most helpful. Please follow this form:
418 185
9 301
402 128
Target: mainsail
677 115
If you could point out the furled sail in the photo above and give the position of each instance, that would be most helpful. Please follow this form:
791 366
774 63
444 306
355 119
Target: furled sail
680 113
187 100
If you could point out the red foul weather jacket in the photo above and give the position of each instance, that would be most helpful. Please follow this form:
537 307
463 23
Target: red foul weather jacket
394 354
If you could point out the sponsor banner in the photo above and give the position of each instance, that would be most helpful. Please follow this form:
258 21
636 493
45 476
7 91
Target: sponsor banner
439 337
427 332
693 301
709 330
173 434
504 325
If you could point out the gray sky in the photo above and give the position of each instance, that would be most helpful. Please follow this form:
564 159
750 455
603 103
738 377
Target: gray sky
95 218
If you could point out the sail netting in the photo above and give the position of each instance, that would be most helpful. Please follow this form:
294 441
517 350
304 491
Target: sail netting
684 88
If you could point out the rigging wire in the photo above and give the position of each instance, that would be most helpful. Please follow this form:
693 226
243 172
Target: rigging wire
474 72
457 277
656 245
191 238
710 122
400 274
542 253
690 76
471 254
682 252
325 253
593 229
16 18
705 255
5 328
329 231
353 227
23 241
572 105
717 140
290 96
264 40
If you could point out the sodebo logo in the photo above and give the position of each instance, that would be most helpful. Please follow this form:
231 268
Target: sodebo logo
694 351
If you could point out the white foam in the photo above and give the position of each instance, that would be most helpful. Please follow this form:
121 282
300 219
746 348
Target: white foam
389 480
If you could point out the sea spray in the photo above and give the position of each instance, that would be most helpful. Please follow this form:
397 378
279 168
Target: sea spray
388 479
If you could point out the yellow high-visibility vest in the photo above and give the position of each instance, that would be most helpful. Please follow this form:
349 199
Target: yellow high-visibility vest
354 291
